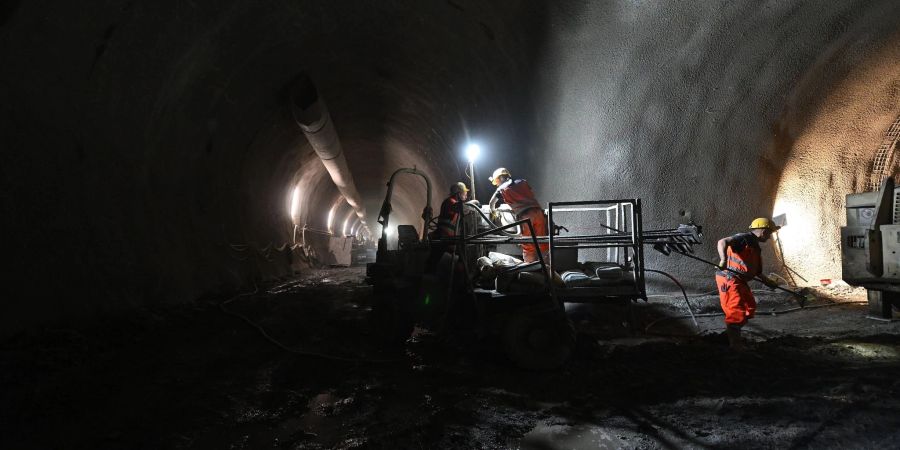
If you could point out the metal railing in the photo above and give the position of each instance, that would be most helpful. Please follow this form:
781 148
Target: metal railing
627 235
482 238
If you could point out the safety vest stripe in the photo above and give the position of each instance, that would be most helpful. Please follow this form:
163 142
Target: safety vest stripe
737 261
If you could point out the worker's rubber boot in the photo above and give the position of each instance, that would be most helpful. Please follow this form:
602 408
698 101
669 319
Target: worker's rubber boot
734 338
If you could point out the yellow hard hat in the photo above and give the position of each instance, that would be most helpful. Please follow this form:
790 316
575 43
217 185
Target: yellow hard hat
497 173
763 222
456 188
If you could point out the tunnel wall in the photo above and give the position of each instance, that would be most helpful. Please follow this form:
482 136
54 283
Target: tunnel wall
149 156
832 155
703 109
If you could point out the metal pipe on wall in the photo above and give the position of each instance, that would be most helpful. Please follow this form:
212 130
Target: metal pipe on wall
312 117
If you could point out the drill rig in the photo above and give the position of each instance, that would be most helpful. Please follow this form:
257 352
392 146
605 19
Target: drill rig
473 292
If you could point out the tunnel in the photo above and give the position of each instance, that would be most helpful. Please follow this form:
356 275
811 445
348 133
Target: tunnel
167 156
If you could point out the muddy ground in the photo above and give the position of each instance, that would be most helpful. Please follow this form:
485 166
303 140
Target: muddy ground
203 377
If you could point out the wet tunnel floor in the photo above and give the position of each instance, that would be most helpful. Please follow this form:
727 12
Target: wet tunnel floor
196 377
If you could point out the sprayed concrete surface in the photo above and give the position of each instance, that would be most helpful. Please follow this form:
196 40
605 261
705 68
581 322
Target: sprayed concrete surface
719 112
199 377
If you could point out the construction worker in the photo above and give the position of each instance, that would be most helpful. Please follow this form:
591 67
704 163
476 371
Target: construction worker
447 221
449 215
740 261
518 195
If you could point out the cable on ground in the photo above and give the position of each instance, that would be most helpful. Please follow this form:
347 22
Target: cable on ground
683 293
758 313
286 348
703 294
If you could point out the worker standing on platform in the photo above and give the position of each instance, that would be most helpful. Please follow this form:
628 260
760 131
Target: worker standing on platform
740 260
449 215
518 195
447 221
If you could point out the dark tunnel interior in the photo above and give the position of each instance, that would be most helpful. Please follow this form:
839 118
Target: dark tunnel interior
161 154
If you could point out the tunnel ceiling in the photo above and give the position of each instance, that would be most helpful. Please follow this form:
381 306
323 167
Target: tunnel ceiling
151 154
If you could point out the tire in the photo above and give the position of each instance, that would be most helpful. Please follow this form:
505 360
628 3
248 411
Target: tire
392 323
539 341
882 304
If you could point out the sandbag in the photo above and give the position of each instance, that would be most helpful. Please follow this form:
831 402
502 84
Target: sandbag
604 270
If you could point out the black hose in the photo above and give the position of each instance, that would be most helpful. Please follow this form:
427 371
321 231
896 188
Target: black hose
758 313
279 344
801 299
683 292
486 218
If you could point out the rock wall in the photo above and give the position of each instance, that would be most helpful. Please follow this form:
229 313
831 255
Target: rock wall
719 112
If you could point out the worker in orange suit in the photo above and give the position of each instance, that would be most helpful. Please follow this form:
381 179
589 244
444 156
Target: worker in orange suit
518 195
740 261
447 222
449 215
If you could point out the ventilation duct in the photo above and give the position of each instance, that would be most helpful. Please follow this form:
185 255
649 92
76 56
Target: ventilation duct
312 116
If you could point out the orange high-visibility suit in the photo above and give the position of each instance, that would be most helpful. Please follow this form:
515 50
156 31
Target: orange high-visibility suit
520 198
446 228
743 255
449 215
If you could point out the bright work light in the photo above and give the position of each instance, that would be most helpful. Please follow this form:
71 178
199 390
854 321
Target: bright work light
472 152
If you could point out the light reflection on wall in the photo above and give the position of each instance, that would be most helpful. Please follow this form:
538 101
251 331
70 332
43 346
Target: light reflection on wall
350 214
295 205
804 238
331 213
831 156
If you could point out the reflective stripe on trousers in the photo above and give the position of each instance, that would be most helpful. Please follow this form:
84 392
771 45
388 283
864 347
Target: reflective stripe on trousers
539 222
736 299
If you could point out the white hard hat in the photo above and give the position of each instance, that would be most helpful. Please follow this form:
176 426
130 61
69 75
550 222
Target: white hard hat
497 173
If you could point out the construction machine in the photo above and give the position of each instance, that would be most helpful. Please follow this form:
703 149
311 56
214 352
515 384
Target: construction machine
870 247
475 293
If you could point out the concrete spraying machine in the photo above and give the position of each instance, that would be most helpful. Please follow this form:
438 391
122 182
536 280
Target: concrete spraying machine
475 292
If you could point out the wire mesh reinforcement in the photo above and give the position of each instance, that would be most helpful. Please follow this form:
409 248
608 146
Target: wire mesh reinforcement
884 154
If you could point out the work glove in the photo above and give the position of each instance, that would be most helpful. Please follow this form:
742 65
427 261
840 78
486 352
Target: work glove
721 265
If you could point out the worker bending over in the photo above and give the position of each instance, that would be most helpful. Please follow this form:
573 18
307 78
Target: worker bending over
740 260
446 222
518 195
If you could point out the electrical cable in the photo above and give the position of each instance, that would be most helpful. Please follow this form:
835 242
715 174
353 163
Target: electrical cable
790 271
266 251
286 348
488 220
682 293
786 281
710 293
802 298
758 313
703 294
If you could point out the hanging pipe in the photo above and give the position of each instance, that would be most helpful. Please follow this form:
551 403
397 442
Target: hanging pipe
312 117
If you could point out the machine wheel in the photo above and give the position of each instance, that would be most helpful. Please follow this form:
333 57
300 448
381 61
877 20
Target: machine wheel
539 341
392 323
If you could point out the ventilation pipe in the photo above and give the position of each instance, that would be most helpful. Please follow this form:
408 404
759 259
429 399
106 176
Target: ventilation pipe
312 116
